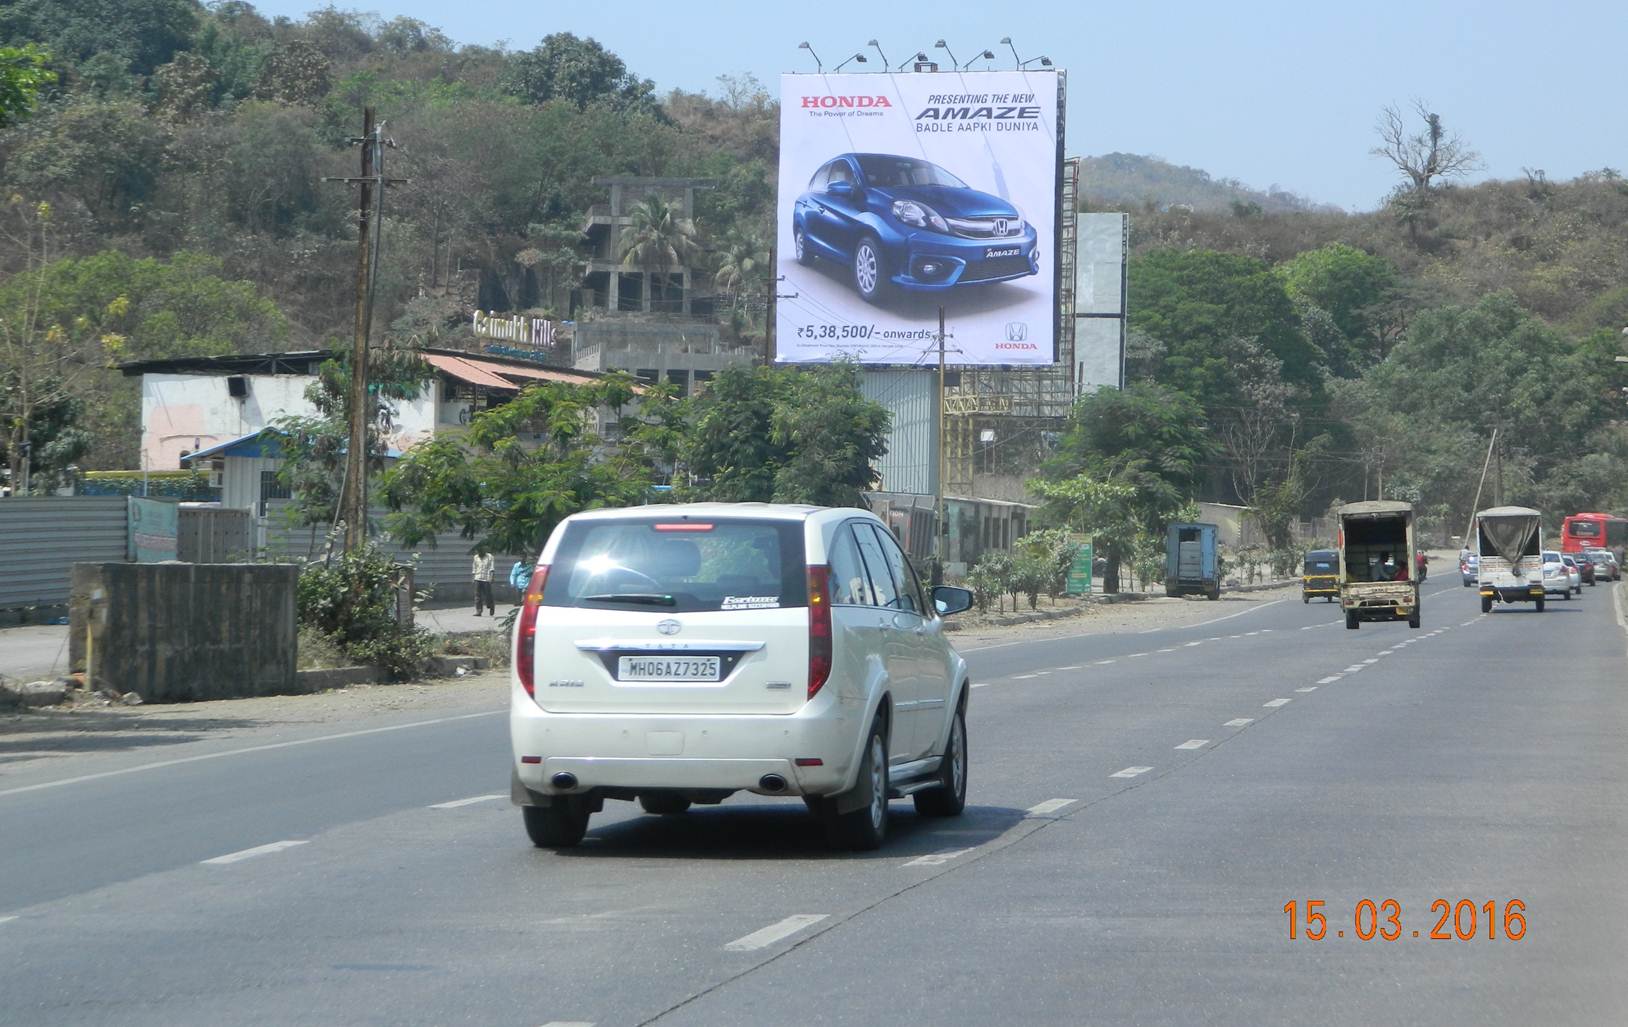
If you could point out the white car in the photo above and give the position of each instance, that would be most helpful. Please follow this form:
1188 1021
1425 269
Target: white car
1557 577
680 654
1605 564
1573 571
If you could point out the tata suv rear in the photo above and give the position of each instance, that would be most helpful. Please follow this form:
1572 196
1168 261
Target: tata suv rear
678 654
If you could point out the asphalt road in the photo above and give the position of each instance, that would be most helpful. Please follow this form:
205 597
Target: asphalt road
1142 807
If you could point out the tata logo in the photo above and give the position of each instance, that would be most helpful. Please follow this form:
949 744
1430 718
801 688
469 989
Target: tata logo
669 627
1016 331
829 102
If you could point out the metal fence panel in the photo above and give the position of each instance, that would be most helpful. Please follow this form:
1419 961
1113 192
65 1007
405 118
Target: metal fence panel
42 537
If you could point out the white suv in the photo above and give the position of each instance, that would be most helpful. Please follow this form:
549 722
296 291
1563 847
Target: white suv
679 654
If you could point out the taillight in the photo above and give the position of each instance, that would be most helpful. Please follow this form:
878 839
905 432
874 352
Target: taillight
525 632
819 628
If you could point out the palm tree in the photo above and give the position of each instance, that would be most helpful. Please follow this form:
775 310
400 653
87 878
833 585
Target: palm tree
741 260
656 239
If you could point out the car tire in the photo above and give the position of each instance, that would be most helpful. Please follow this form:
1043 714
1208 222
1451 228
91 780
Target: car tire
866 827
870 272
950 797
664 803
559 826
1351 622
1539 605
805 256
1413 619
1567 594
1306 600
1486 604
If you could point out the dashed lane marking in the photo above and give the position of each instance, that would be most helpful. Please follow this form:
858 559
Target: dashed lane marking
1104 663
1040 809
1073 666
937 859
1239 722
1275 703
1198 642
6 919
1354 668
1167 650
1130 772
766 936
1328 680
569 1023
258 850
1133 656
1194 743
1308 688
455 803
1369 663
1023 677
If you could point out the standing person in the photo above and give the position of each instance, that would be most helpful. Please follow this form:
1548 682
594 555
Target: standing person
483 569
519 578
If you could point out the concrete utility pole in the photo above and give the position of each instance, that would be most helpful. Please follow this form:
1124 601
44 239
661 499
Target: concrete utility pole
940 525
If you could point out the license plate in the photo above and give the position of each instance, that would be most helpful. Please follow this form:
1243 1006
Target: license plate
1005 251
667 668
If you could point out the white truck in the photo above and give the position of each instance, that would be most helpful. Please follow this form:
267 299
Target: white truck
1510 548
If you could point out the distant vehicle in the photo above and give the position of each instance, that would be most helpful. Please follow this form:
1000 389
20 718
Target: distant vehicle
1467 564
679 654
1190 564
1557 576
1585 565
901 222
1377 553
1606 564
1322 575
1595 531
1568 569
1509 540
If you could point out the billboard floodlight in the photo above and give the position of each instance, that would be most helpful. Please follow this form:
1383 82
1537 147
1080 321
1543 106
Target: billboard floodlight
856 57
1017 61
941 45
1045 62
920 57
804 46
879 51
986 55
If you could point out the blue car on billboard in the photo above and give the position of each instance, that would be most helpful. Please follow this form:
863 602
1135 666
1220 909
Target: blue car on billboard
902 222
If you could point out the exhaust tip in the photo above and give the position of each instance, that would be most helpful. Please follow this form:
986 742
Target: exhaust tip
772 783
564 779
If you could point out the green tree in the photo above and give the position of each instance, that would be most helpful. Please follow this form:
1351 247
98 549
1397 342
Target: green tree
103 155
657 237
142 33
1354 288
784 435
579 72
295 72
23 73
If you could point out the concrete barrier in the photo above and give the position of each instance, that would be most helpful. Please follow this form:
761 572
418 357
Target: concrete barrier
174 632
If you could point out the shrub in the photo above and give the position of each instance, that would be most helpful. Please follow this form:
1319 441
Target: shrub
1032 574
353 602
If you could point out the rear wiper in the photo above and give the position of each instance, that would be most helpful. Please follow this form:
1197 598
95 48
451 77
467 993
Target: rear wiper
639 598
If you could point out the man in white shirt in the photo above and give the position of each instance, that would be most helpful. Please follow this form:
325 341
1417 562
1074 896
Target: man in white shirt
483 569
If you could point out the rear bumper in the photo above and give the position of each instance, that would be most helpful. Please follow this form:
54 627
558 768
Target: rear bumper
1513 594
704 753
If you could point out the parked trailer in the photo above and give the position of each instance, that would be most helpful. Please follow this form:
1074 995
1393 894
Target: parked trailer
1190 563
1510 543
1376 563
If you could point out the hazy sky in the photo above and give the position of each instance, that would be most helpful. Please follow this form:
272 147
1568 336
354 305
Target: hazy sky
1270 93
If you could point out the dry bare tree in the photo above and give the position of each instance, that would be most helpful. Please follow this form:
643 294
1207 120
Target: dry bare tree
1426 155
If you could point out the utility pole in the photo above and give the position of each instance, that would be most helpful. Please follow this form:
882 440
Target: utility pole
369 222
940 524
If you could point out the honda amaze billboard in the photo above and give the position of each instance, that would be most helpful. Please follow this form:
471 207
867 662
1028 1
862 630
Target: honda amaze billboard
903 193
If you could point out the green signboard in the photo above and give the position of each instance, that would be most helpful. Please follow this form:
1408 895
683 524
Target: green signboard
153 529
1079 572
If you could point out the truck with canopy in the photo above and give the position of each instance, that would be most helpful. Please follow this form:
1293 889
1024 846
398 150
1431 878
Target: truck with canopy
1376 563
1509 540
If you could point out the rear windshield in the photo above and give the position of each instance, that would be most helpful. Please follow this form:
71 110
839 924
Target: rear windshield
1320 566
684 566
1584 529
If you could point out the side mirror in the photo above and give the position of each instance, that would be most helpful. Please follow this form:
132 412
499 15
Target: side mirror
840 188
949 599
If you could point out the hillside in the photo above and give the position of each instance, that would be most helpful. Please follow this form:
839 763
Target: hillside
1129 181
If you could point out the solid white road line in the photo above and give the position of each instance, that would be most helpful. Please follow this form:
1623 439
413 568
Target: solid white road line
1131 772
767 936
1275 703
1194 743
1239 722
1328 680
454 804
1308 688
268 747
1049 806
936 859
258 850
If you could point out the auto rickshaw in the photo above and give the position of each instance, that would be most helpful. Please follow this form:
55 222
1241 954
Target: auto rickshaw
1322 576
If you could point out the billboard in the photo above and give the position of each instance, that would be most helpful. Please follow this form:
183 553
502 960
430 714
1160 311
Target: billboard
901 193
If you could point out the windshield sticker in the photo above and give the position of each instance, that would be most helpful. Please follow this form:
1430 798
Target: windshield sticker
751 603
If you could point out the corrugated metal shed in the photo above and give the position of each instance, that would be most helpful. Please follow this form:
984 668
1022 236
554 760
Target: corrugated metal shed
42 537
911 396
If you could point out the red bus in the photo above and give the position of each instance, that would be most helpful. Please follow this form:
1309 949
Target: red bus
1594 531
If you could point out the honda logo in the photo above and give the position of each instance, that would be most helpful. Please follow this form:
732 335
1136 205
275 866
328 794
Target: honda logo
1016 331
1001 226
669 627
